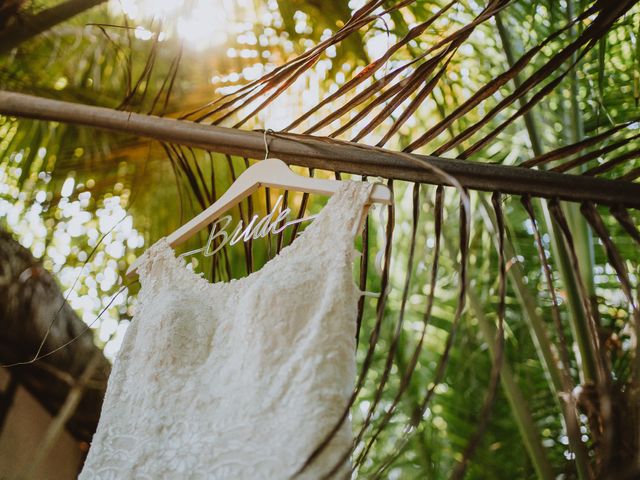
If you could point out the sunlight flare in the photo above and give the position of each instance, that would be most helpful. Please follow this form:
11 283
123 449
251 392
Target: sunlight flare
201 24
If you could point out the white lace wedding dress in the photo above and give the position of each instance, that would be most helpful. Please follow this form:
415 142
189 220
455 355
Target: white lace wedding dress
241 379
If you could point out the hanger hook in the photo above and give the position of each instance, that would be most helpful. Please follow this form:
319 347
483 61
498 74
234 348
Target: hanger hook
266 144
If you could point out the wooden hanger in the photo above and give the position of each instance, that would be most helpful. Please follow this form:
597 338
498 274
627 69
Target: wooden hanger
266 173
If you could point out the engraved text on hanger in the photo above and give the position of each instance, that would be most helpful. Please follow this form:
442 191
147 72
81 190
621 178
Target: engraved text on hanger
255 229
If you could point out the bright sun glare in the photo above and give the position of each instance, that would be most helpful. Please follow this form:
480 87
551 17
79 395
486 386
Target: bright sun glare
200 24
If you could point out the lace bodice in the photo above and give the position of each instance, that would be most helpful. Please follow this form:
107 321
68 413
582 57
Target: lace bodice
240 379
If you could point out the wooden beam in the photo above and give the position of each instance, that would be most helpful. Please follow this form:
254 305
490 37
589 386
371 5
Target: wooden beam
328 154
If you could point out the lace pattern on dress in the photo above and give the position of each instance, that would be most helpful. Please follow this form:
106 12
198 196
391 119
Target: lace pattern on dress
239 379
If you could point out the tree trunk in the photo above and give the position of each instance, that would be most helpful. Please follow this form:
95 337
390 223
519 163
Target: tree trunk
25 27
29 300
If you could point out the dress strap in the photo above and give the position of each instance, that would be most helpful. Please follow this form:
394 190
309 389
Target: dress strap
351 200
